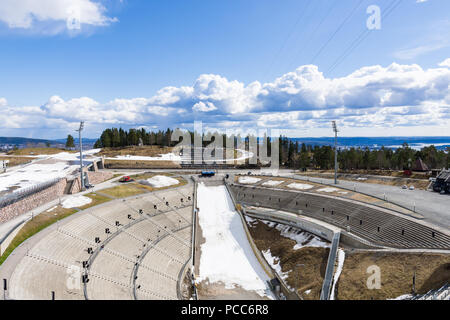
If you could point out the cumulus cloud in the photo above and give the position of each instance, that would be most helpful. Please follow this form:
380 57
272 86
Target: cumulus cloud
3 102
372 96
204 106
445 63
67 14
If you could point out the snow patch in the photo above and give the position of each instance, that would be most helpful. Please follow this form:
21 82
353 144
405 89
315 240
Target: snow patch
403 297
299 186
76 201
272 183
226 255
274 262
248 180
162 157
51 209
328 189
341 258
161 181
303 238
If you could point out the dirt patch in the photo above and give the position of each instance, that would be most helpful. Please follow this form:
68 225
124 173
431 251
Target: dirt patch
306 266
397 271
123 191
15 161
217 291
38 151
148 151
140 164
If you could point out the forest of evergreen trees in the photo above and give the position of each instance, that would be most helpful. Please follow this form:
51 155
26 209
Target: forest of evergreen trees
293 154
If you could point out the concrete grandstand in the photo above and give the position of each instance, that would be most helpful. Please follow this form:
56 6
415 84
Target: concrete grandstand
158 245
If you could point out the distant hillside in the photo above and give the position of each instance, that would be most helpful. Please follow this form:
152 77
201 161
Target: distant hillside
85 140
22 141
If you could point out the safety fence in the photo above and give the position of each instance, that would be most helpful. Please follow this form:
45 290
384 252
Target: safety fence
25 192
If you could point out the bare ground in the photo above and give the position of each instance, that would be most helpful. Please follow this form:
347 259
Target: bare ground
308 266
397 271
148 151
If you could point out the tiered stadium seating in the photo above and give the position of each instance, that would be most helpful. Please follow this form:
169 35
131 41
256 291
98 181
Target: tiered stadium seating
377 225
152 247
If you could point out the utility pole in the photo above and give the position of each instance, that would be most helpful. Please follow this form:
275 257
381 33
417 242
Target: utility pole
81 154
335 151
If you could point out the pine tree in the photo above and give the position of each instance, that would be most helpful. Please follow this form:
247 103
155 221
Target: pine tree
70 142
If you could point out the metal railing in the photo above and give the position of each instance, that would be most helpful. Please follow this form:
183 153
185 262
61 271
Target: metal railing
25 192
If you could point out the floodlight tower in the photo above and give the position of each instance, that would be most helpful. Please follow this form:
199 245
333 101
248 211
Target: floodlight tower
335 151
81 153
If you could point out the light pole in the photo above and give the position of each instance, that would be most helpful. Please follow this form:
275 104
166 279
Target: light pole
81 154
335 151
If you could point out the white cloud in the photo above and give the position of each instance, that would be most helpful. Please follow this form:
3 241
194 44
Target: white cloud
67 14
204 106
445 63
373 96
411 53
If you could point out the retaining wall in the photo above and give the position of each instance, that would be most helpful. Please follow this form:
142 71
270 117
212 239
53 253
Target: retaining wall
94 177
32 201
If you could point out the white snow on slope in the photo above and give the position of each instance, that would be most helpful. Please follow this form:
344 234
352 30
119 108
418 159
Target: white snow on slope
33 174
226 255
403 297
272 183
248 180
29 175
328 189
299 186
76 201
274 262
162 181
162 157
341 258
303 238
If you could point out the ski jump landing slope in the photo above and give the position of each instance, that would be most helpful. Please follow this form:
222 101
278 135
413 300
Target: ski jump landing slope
226 259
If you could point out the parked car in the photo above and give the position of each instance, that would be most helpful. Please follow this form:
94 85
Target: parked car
125 179
405 187
411 188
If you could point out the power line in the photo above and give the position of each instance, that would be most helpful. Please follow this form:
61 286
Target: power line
337 30
362 36
287 38
330 9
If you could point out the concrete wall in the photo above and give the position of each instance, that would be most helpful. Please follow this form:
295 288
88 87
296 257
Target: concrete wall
32 201
94 178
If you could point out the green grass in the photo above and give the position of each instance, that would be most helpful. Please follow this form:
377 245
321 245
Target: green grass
123 191
35 225
96 200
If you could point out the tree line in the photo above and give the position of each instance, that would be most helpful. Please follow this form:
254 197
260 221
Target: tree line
292 154
295 155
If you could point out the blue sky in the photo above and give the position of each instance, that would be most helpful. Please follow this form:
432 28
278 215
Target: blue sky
232 64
